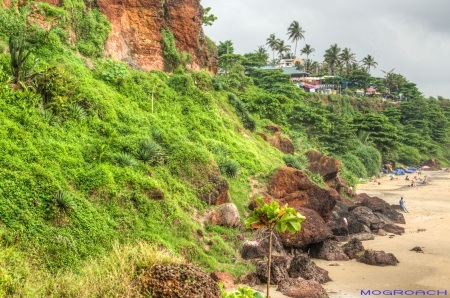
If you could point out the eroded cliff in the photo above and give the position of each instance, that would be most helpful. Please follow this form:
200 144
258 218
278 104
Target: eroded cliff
136 31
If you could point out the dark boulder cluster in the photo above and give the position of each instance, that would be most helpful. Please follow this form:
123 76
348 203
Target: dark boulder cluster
168 281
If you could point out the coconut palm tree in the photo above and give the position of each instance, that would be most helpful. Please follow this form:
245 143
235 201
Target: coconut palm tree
295 32
307 50
282 48
369 62
347 57
273 42
332 57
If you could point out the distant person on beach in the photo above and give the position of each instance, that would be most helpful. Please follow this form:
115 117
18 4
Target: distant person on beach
402 204
413 184
407 178
419 172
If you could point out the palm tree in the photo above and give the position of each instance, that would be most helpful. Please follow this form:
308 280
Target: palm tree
261 50
347 57
387 78
282 48
332 57
295 32
369 62
307 50
272 42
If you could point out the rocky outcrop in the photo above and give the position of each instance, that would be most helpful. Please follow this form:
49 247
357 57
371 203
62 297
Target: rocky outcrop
302 266
225 278
363 215
259 248
169 281
301 288
277 141
135 35
278 269
378 258
293 187
363 236
379 205
328 167
337 222
327 250
434 164
353 249
250 279
226 215
314 230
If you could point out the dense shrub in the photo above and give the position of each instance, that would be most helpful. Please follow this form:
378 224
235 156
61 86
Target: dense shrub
353 164
408 156
299 162
370 157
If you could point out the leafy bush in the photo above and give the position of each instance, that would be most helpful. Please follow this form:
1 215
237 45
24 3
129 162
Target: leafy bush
112 71
230 168
299 162
172 57
370 157
408 155
249 122
202 80
354 165
181 83
241 293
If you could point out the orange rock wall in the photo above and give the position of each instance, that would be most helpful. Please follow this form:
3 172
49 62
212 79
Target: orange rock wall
136 31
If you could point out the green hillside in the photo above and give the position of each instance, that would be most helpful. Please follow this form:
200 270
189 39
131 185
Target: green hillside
101 165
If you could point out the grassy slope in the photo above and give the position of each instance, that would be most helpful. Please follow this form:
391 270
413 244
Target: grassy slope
112 205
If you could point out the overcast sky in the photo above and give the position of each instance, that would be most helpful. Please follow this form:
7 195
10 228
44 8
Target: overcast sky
412 36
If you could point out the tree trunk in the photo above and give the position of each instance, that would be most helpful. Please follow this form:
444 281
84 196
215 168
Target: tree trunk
269 261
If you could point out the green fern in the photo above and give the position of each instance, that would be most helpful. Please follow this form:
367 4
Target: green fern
49 117
150 152
65 202
124 159
77 112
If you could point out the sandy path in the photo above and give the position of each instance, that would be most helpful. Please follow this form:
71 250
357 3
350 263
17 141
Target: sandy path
429 209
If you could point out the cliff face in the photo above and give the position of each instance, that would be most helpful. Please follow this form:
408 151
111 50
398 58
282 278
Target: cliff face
136 31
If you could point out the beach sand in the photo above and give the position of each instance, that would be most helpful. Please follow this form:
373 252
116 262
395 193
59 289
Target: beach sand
429 209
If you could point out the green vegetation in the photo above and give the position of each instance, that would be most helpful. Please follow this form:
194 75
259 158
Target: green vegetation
101 165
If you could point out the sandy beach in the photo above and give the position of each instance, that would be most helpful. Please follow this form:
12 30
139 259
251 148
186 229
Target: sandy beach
429 209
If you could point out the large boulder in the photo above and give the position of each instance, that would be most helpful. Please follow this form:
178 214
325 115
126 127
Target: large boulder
283 144
301 288
327 250
293 187
302 266
168 281
226 215
378 258
383 218
314 230
278 269
361 197
353 249
259 248
225 278
328 167
365 216
434 164
381 206
337 222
